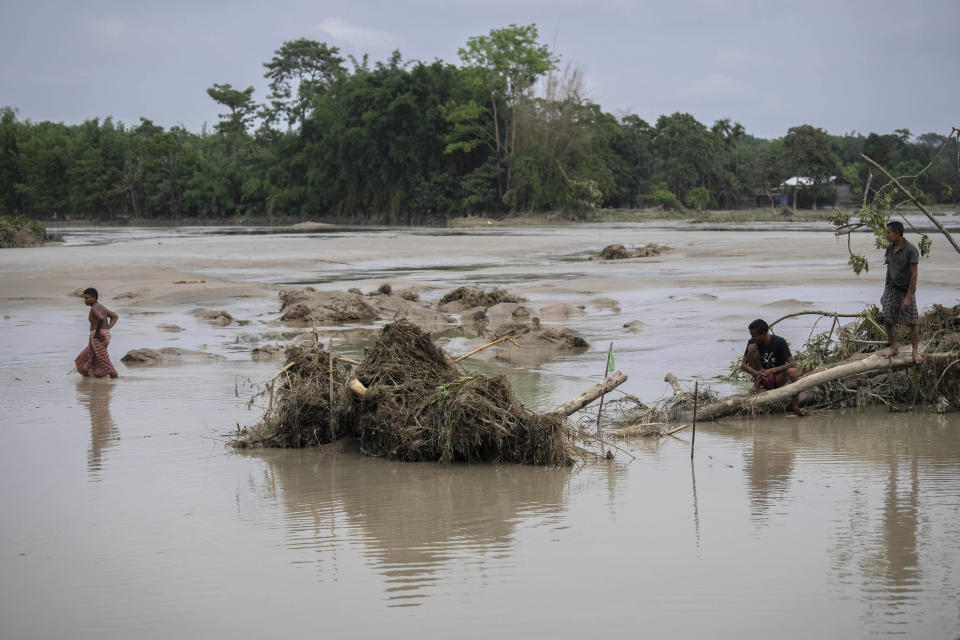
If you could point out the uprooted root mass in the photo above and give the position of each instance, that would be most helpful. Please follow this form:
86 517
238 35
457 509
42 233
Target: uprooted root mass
419 406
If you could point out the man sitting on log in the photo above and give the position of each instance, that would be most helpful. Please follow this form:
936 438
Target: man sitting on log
769 361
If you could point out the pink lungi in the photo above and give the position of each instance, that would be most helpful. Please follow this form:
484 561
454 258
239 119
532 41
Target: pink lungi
94 359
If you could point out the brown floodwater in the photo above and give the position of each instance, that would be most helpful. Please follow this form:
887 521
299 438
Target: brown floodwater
124 514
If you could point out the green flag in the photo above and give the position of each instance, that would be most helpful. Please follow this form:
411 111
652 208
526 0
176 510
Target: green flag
610 365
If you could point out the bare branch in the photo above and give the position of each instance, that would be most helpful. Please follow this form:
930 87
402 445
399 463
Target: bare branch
916 202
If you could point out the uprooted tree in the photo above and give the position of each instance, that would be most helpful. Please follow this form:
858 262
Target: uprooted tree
842 367
409 400
889 199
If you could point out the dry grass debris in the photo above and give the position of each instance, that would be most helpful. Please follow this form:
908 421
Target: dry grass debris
419 406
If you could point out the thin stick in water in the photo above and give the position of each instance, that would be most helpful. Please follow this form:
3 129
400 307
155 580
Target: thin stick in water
693 434
330 360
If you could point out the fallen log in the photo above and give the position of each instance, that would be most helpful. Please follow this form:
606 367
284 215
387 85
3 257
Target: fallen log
606 385
872 363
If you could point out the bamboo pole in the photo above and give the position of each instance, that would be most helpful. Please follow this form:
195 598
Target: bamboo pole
281 372
693 435
486 346
333 432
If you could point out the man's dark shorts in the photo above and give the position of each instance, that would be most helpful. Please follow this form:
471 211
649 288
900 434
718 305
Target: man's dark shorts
893 311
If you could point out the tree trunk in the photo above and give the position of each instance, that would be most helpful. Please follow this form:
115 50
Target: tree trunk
872 363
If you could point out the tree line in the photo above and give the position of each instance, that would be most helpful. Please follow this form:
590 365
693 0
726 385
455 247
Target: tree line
508 130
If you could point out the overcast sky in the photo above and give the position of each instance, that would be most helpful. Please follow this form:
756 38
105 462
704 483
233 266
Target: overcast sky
843 66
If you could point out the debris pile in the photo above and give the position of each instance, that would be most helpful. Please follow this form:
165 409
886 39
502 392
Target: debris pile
308 306
466 298
934 384
620 252
324 307
417 404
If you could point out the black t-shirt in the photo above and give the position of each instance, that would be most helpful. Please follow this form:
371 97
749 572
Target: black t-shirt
775 353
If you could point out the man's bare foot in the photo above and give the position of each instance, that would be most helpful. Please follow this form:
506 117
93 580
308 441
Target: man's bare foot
917 358
889 353
800 412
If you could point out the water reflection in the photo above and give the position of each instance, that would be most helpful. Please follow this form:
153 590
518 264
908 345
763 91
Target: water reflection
768 466
95 395
885 476
413 521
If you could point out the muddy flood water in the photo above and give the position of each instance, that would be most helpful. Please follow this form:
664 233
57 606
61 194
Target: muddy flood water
124 515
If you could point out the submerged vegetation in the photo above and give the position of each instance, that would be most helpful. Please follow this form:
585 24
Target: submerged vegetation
508 130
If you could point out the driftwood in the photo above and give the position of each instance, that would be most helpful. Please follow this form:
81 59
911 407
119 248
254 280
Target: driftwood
487 346
606 385
609 383
873 363
672 379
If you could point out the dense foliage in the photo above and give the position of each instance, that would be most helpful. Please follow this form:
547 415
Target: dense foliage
405 142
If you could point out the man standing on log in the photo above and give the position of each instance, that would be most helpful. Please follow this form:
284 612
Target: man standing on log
94 359
769 361
899 300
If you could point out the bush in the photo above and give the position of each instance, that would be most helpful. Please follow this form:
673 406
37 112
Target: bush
660 196
698 198
21 231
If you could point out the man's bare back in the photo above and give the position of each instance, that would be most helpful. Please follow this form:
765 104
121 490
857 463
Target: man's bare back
101 319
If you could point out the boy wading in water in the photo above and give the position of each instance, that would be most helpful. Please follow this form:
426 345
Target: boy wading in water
94 360
769 361
899 300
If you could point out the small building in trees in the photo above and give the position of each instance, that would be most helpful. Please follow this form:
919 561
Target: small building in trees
803 192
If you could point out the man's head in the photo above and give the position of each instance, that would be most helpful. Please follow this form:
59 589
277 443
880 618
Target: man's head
759 331
894 231
90 296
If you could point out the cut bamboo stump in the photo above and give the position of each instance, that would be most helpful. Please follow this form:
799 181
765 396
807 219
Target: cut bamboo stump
357 388
872 363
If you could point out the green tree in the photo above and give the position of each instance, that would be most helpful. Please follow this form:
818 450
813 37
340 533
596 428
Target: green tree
502 67
698 198
298 71
241 105
11 173
808 154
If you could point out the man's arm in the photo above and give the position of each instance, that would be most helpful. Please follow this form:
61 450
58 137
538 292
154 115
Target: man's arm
912 289
111 317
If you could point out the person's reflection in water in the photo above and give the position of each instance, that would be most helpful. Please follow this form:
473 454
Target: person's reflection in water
900 567
769 467
414 519
94 394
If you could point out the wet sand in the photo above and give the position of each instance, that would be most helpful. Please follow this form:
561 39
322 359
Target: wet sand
125 515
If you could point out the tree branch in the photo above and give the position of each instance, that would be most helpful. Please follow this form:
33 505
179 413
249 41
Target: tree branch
916 202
